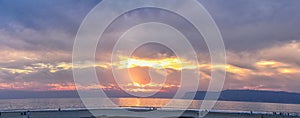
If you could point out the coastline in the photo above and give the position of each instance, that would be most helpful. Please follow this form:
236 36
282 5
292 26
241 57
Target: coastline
119 112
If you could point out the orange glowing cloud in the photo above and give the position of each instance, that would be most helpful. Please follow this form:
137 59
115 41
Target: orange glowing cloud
53 68
229 68
21 86
5 86
272 64
288 70
60 87
143 71
170 63
150 87
15 70
72 86
277 67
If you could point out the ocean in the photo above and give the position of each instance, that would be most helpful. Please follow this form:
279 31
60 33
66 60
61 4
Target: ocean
75 103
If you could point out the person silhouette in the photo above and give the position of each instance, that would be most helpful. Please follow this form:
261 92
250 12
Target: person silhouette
28 114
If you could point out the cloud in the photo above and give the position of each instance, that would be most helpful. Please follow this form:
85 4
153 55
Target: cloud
262 40
13 56
41 15
271 68
167 63
255 24
22 38
245 70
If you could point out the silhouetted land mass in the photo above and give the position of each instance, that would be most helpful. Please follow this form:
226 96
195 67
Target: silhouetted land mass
251 96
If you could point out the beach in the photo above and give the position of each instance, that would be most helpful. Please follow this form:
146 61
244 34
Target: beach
119 113
74 108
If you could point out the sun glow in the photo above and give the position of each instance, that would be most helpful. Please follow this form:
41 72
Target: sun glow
288 70
272 64
143 70
170 63
150 87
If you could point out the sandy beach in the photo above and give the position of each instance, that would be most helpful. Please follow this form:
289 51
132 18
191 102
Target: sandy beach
118 113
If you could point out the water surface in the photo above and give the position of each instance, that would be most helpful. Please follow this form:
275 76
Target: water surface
75 103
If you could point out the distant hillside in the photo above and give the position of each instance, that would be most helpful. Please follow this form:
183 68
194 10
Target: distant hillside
251 96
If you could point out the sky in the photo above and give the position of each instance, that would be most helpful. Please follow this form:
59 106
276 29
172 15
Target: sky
262 40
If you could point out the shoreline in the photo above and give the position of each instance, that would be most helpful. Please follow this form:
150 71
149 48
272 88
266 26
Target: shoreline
119 112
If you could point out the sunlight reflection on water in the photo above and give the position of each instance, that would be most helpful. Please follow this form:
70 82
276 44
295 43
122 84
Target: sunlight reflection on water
74 103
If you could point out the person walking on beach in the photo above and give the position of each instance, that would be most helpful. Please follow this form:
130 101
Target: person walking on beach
28 114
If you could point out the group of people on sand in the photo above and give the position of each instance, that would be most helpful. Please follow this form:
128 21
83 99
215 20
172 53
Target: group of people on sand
26 113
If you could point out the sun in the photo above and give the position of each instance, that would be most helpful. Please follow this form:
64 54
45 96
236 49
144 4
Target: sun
140 75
